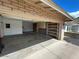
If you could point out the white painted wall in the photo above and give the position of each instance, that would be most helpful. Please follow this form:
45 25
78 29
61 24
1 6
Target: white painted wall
15 26
27 26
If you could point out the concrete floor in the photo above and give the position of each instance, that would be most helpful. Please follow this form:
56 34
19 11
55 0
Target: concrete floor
39 46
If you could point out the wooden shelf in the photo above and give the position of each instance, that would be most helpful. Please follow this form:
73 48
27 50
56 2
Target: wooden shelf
52 32
53 29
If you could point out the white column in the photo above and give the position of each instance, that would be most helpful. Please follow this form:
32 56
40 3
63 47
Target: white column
66 28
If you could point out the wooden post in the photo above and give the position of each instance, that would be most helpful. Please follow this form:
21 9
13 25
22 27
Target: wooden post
61 31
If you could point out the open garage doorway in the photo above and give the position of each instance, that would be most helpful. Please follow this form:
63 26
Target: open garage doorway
27 26
36 27
19 34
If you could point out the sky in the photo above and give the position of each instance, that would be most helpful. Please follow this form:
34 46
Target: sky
70 6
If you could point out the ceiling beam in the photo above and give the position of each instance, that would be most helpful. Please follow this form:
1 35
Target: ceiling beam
38 2
47 7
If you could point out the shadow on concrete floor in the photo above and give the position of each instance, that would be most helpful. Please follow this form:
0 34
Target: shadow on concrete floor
71 40
18 42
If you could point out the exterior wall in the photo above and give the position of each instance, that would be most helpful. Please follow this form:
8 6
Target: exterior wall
27 26
72 28
75 28
67 28
15 26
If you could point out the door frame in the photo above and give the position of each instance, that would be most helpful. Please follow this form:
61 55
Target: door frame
1 30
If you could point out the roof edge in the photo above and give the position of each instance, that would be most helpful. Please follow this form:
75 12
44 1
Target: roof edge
56 7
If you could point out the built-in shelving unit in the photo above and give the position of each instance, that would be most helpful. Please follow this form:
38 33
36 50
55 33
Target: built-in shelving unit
53 29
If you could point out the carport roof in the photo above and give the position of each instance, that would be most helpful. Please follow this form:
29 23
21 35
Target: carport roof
52 7
46 5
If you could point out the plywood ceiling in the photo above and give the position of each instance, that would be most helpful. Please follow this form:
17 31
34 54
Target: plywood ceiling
41 4
47 7
35 7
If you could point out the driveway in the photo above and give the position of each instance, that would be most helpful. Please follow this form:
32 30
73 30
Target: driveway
39 46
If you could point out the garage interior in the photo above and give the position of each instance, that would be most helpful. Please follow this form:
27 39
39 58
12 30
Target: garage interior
22 34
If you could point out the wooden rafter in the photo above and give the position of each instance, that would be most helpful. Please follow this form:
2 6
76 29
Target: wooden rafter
38 2
47 7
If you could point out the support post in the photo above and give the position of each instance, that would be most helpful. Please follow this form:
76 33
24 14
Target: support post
61 31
